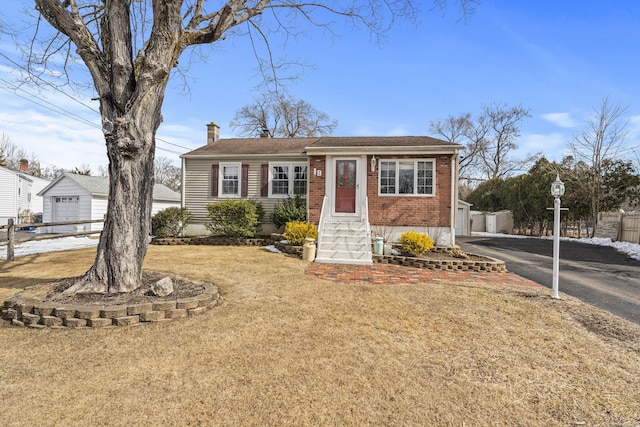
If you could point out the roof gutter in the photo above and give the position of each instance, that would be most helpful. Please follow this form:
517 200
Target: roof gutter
391 150
249 155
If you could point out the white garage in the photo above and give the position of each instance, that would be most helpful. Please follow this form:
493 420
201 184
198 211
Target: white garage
72 197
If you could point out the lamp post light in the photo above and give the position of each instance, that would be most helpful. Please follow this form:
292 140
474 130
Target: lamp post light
557 191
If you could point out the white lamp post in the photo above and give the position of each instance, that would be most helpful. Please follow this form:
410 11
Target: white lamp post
557 190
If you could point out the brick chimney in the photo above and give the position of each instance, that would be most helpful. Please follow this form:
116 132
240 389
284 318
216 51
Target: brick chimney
213 133
24 165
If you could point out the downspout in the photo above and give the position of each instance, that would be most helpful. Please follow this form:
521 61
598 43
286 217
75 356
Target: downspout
182 191
454 197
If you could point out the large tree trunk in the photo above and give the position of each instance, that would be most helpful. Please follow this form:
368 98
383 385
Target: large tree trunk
123 243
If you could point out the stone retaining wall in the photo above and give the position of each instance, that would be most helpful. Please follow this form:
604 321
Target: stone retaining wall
215 241
24 311
488 265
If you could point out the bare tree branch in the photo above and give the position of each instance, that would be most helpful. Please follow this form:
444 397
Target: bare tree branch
488 141
281 116
604 138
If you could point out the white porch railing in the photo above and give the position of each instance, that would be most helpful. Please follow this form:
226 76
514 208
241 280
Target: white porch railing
323 217
366 221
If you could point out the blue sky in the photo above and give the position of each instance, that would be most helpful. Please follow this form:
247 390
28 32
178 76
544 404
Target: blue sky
557 58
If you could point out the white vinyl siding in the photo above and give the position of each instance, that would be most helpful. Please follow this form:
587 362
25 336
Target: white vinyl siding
197 185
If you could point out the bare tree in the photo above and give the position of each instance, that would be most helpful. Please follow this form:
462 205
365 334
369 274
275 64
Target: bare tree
282 116
461 130
130 49
14 154
500 126
167 173
603 138
488 141
83 169
51 172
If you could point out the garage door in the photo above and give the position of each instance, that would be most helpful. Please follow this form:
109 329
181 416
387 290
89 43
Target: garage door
65 209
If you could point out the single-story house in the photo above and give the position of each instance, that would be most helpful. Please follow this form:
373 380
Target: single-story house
353 185
18 194
73 197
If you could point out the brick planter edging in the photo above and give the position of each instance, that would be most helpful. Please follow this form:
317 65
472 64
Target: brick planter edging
490 265
33 313
214 241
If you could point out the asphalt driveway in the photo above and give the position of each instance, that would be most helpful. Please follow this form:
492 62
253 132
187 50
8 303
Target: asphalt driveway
597 275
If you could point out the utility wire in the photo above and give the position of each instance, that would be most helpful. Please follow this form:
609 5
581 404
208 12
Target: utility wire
68 113
48 83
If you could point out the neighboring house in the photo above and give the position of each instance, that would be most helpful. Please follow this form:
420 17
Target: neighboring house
72 197
18 195
351 184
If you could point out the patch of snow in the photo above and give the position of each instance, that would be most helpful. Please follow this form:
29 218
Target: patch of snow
53 245
273 249
506 236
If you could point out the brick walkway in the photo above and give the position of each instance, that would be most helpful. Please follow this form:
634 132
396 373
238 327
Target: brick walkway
388 274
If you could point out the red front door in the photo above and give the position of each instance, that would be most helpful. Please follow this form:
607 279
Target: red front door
346 186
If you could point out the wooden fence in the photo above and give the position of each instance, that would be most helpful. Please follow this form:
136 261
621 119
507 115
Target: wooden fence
11 229
619 226
545 228
613 225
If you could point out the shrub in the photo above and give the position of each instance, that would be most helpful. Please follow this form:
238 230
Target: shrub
259 212
235 218
291 209
417 243
170 222
296 231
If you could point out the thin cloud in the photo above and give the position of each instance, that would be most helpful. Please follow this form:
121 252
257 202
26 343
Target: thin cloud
552 146
563 120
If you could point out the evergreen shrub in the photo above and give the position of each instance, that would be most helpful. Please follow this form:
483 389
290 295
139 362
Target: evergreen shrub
170 222
290 209
234 218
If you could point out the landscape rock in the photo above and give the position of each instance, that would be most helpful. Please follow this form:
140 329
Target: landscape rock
163 287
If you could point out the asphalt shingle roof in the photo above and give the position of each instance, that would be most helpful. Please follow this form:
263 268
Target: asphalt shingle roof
298 146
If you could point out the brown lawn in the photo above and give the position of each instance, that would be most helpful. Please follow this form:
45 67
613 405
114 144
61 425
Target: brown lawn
286 349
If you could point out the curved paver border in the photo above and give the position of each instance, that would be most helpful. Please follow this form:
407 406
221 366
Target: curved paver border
21 310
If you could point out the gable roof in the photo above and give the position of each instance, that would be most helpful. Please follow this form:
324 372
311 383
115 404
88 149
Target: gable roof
20 174
322 145
99 186
24 175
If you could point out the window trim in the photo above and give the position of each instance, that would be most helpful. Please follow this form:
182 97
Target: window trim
291 179
221 167
397 162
